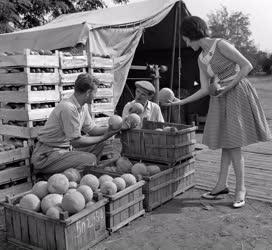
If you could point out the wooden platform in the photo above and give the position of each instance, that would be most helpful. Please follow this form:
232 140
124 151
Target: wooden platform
258 170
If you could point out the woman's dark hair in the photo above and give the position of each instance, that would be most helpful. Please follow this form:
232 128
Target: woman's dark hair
85 82
194 28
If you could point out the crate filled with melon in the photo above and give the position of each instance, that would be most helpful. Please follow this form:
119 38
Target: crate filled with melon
158 178
58 212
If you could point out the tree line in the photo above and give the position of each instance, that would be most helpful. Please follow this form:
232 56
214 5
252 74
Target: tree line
23 14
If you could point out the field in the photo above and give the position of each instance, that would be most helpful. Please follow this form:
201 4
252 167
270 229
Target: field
188 222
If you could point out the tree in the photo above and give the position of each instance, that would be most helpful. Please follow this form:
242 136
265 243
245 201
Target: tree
22 14
234 27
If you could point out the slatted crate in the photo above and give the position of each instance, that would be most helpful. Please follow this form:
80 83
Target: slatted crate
66 90
27 112
30 93
183 176
106 77
105 90
70 75
102 104
27 130
37 231
150 144
102 62
30 59
69 61
157 189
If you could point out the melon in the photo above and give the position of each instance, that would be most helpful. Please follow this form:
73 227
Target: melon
166 95
103 178
86 191
170 129
90 203
51 200
115 122
123 165
153 169
129 179
72 184
159 129
30 202
72 174
136 108
54 212
120 183
139 169
70 190
108 188
73 202
40 189
132 121
58 184
91 181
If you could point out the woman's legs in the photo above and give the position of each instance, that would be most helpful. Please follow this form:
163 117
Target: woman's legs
239 170
224 171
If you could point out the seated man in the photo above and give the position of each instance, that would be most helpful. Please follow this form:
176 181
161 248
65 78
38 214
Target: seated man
143 94
60 143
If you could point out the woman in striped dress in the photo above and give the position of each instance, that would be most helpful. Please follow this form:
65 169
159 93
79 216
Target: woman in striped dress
235 117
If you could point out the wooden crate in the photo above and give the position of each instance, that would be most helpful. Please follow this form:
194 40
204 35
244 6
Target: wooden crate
105 90
69 61
183 176
27 77
66 90
27 114
30 96
107 77
14 155
36 231
159 146
101 62
28 60
106 106
70 77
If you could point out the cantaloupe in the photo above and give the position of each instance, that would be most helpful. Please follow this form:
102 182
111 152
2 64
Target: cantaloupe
129 179
123 165
153 169
30 202
73 202
91 181
132 121
115 122
72 174
108 188
139 169
166 95
136 108
54 212
103 178
90 203
120 183
58 184
72 184
51 200
86 191
170 129
40 189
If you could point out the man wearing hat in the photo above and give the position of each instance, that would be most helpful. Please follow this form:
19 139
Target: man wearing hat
143 94
61 145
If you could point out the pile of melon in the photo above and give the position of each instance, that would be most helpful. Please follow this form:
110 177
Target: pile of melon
168 129
139 169
69 192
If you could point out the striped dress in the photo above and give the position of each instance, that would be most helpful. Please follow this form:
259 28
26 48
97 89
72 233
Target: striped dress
235 119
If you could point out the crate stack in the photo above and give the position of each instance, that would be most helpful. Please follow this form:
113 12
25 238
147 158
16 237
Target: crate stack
28 93
70 67
169 146
103 105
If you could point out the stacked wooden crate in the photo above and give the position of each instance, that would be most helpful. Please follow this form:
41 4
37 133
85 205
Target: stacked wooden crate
103 106
70 67
172 149
28 93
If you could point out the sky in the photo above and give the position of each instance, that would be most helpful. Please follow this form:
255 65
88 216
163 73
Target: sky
259 12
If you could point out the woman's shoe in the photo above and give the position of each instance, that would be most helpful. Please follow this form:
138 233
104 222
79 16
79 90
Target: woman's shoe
240 203
211 196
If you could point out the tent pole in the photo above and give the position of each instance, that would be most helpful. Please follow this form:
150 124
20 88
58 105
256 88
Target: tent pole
89 54
173 58
179 59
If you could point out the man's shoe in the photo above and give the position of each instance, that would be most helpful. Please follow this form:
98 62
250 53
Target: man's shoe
238 204
211 196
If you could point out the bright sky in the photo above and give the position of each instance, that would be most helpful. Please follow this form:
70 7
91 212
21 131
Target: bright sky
260 16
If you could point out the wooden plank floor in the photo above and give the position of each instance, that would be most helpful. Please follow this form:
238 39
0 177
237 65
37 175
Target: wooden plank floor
258 170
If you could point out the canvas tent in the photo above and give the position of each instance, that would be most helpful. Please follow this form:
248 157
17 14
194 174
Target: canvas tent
115 31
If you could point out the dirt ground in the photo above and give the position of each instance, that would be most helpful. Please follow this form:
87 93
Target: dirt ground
189 222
